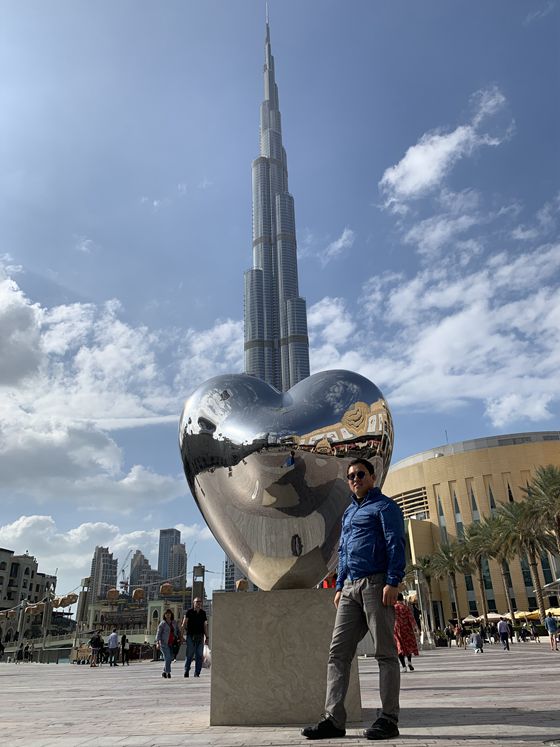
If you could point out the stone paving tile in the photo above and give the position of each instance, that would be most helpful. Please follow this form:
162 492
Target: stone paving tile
453 699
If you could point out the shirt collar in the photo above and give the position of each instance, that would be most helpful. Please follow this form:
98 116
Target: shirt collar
372 495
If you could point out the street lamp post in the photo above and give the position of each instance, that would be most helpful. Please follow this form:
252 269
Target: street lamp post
46 621
21 619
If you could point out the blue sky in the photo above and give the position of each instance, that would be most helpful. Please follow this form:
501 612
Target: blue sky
423 156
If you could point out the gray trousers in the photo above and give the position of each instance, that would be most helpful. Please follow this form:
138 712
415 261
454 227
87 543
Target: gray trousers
361 609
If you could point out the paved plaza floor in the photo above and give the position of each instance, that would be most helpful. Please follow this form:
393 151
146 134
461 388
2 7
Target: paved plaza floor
454 697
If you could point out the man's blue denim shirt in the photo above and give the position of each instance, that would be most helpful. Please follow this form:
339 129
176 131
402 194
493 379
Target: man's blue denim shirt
372 540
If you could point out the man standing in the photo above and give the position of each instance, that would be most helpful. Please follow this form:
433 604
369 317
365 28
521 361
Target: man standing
503 632
195 627
370 568
113 646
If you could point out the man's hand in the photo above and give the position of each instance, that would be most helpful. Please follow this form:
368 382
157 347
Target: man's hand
337 598
390 595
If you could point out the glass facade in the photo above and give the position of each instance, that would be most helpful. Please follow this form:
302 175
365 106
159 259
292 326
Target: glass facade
276 341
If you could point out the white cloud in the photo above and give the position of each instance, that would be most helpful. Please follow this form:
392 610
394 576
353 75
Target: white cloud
20 345
425 165
337 247
502 410
539 13
456 203
546 221
77 464
434 233
330 322
84 245
486 102
446 337
71 372
208 353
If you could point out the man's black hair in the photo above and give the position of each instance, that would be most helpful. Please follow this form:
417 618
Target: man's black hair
364 462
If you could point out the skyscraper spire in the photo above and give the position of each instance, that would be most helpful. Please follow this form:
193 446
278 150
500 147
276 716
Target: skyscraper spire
276 342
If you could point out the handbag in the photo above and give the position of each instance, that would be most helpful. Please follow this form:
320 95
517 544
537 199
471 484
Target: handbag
206 657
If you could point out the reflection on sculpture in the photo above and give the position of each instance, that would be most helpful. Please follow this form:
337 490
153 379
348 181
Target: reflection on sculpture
278 516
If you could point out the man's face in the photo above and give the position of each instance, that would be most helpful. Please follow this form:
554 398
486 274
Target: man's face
197 604
360 480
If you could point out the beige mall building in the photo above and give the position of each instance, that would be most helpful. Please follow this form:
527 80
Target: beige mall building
443 490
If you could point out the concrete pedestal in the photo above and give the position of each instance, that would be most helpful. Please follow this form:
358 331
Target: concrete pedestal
269 658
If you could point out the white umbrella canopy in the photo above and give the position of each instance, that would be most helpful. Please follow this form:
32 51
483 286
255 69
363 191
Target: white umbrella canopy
471 619
494 617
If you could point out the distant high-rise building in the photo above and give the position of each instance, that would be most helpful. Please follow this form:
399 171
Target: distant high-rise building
167 538
178 565
232 574
103 575
276 341
143 576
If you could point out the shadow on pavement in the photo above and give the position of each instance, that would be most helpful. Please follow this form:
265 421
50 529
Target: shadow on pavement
503 719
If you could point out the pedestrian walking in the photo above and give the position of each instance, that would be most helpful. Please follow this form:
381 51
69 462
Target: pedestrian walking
113 646
167 633
477 642
370 567
551 628
503 632
405 633
96 644
459 635
449 634
195 629
125 650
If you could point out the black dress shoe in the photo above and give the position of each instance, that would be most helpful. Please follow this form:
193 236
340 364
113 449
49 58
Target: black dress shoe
186 674
323 730
164 675
382 729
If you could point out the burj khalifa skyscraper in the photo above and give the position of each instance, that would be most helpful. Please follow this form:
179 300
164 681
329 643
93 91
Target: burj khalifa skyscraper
276 341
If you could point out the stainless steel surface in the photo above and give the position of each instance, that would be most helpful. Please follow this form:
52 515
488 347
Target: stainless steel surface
280 522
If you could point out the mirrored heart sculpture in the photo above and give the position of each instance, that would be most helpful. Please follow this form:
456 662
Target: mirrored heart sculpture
268 469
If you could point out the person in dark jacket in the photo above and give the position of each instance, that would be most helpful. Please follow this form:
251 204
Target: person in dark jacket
96 644
371 566
167 633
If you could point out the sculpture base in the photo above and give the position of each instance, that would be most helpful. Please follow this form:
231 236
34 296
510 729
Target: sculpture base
269 658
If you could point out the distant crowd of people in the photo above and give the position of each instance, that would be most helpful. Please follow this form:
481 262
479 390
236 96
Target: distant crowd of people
109 651
502 632
169 637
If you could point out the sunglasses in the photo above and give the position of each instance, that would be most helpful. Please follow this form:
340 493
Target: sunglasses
353 475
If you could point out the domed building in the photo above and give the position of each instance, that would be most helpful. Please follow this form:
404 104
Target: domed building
444 490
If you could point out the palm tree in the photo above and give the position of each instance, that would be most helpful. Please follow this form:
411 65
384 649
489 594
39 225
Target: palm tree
477 545
500 552
521 534
543 493
423 567
449 560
